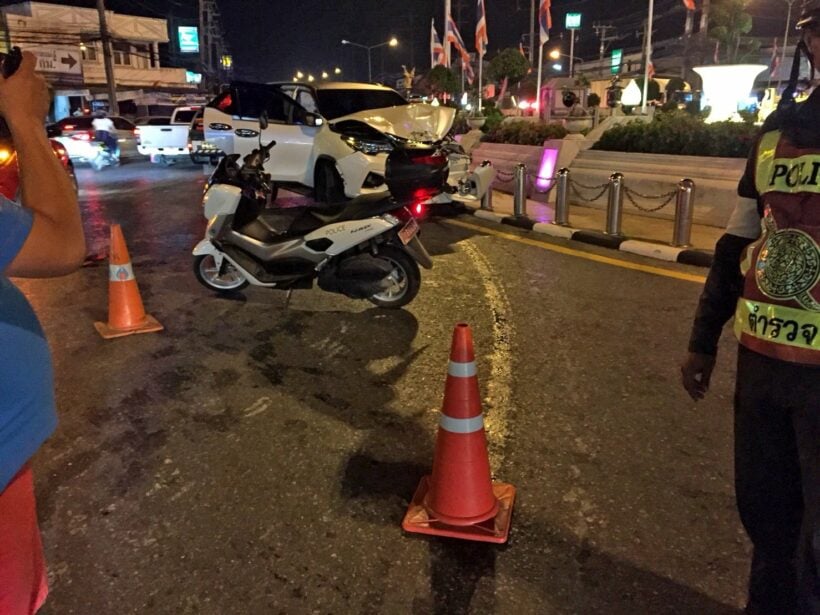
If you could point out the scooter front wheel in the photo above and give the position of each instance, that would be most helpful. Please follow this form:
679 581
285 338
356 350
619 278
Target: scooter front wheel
223 279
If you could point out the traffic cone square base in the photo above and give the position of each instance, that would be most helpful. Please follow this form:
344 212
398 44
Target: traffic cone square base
148 325
419 520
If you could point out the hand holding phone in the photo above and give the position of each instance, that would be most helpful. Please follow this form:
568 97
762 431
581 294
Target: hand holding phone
25 98
10 62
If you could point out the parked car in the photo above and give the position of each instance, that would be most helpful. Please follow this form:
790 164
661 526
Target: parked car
202 151
9 172
165 141
330 137
77 132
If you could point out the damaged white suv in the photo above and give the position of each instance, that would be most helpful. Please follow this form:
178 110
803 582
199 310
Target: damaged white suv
330 138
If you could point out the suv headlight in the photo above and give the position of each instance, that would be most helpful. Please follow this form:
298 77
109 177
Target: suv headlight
369 147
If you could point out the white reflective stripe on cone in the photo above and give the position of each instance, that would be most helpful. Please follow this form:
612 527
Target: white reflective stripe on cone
471 425
462 370
120 273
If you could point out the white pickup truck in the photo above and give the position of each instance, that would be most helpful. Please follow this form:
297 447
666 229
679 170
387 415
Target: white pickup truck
165 139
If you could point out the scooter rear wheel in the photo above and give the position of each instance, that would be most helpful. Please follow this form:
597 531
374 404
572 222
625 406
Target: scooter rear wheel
223 279
406 279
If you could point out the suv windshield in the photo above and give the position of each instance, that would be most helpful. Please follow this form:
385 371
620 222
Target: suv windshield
338 103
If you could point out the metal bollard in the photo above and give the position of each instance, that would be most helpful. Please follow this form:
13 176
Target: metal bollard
487 199
615 205
684 211
561 200
520 190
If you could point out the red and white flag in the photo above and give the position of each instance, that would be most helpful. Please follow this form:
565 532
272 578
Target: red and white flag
774 63
454 37
469 74
436 48
545 20
481 39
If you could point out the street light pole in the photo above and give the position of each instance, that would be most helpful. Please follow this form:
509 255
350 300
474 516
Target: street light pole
393 42
571 52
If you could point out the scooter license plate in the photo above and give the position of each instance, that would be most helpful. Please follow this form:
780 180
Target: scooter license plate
409 231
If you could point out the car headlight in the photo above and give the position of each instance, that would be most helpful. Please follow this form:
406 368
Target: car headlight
365 146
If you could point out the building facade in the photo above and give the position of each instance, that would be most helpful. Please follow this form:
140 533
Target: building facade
67 43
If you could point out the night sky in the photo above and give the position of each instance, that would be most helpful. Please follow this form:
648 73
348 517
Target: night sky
271 39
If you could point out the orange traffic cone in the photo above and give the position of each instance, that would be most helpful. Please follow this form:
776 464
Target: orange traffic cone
459 499
126 315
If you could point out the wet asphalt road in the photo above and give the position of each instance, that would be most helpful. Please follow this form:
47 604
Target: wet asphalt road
258 458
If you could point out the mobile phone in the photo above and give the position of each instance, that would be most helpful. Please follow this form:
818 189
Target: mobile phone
10 62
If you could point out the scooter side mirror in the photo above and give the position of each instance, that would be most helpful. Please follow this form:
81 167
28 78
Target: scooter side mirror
263 121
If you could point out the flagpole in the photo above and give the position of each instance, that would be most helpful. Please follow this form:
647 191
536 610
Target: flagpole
648 55
480 84
538 87
446 32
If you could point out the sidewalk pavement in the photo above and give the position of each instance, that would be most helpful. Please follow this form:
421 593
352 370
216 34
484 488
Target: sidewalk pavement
642 235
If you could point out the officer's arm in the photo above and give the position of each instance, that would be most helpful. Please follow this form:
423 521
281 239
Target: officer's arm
55 245
725 282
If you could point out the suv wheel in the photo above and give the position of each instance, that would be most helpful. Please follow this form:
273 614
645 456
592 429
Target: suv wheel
328 184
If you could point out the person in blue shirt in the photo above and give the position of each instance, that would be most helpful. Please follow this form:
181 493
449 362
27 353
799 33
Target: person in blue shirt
41 237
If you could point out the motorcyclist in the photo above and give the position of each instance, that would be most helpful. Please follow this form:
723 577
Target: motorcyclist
106 133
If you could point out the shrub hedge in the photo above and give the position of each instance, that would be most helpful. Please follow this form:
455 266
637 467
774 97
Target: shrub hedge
680 133
524 133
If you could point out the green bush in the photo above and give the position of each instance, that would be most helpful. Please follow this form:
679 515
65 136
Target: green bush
460 125
678 132
524 133
493 115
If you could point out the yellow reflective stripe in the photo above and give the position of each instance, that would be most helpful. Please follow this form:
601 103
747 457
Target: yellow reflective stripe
766 149
789 175
778 324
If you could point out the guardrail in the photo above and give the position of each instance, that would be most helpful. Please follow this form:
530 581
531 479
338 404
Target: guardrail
616 190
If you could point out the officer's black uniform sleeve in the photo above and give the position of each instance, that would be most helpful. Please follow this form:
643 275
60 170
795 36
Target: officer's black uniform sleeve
725 282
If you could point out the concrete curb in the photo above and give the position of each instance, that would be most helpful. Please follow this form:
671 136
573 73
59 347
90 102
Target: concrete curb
660 251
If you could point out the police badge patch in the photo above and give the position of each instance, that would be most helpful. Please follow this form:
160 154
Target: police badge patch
788 267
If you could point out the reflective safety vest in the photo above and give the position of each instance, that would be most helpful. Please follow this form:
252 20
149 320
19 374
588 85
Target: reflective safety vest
778 313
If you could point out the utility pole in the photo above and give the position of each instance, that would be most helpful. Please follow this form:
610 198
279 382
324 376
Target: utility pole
601 30
113 105
211 45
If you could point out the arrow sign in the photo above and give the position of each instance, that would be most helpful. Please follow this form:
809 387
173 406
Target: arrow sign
71 61
57 61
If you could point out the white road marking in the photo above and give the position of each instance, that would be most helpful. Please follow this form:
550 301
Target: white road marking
257 407
499 388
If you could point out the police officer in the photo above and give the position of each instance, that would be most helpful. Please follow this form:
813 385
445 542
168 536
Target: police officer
766 272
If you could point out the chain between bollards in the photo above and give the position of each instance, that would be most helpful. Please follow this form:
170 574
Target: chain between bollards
615 205
520 191
684 212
